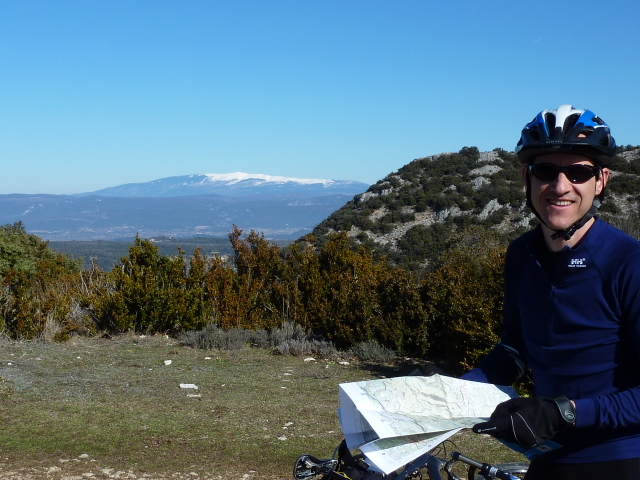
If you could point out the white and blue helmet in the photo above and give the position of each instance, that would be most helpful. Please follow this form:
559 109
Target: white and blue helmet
569 130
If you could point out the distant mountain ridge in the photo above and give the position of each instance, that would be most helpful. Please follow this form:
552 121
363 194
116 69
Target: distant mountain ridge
236 183
183 206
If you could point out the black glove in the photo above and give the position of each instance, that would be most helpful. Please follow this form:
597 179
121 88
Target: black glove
529 421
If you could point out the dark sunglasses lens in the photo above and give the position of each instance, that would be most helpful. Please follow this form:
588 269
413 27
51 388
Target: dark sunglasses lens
575 173
579 173
545 172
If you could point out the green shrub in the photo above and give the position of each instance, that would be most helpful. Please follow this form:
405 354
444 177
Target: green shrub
37 286
149 292
464 299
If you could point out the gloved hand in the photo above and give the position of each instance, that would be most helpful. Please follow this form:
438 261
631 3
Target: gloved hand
529 421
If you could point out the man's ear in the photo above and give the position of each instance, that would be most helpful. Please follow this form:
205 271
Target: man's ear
525 175
602 181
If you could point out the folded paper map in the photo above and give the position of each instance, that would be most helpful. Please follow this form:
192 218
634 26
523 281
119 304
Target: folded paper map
395 420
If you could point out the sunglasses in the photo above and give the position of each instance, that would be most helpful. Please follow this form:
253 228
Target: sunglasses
548 172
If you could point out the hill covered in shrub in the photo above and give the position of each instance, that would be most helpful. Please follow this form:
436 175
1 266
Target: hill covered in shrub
410 215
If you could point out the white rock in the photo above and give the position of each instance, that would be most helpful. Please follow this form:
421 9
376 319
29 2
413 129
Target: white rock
489 208
189 385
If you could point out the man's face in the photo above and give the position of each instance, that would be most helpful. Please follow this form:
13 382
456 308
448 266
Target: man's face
559 202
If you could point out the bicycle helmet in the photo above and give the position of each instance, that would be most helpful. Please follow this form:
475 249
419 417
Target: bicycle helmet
569 130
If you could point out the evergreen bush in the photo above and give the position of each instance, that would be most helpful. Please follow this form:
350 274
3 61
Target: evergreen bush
463 298
37 287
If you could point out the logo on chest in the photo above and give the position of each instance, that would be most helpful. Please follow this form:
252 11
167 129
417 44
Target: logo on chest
577 263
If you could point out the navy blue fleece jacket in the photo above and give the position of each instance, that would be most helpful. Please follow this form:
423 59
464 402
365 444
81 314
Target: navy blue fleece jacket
573 319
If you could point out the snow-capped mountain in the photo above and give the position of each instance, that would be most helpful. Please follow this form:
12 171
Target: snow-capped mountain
183 206
237 183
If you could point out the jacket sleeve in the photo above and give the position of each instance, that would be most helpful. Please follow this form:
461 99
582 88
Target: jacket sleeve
501 366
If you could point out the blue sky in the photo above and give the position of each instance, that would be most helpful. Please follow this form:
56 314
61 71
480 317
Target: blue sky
98 93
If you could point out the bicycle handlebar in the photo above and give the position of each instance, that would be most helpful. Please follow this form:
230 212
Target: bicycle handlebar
485 468
308 467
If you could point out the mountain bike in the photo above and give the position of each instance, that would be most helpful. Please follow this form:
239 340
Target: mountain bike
432 465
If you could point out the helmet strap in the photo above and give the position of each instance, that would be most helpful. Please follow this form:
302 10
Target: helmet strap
568 233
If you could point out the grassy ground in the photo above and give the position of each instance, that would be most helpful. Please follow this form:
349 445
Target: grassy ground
115 408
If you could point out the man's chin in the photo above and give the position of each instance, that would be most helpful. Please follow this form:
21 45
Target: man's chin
556 226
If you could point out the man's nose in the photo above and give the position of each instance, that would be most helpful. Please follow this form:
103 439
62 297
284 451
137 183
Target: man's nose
561 183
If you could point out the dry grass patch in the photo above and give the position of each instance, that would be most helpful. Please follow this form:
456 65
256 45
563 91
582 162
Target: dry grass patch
102 406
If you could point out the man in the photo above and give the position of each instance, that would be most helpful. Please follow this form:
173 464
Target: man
571 311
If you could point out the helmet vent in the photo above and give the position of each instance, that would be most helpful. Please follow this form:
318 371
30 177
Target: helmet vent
535 134
550 120
585 133
569 123
606 141
597 120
